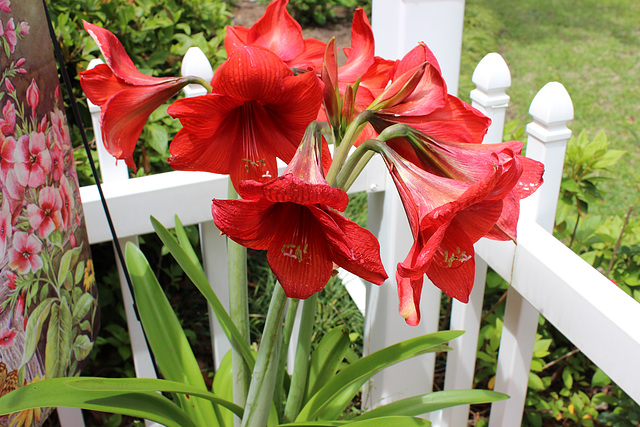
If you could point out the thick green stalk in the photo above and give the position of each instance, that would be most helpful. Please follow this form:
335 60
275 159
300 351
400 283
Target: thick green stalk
301 365
263 380
354 166
238 311
350 137
288 328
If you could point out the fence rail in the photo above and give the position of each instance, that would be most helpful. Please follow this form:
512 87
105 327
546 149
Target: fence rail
545 277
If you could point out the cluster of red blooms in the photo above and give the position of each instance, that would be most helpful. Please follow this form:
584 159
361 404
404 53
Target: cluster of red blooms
275 85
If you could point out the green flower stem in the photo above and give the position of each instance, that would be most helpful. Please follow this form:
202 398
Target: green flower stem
301 364
200 81
354 166
260 398
289 321
342 150
238 311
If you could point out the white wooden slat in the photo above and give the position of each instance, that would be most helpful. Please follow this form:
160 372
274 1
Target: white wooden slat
551 109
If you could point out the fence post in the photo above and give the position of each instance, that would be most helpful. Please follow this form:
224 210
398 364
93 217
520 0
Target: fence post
113 171
492 79
551 109
398 26
439 24
212 244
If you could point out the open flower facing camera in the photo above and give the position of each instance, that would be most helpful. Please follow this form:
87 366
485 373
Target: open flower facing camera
282 96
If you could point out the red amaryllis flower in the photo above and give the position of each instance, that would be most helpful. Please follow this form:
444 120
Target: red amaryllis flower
446 218
277 31
295 218
126 97
258 111
471 163
427 107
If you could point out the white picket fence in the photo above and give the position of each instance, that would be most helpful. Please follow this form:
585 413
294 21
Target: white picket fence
545 277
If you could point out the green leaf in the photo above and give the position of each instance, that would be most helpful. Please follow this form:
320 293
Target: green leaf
360 371
58 347
567 378
391 421
82 307
418 405
34 328
65 261
158 137
79 273
326 359
600 379
223 387
164 333
56 392
535 383
185 244
199 278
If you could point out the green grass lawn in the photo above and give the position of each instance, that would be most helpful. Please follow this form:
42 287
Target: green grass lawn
592 47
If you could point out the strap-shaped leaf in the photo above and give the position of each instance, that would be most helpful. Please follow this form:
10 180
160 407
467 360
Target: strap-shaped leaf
392 421
326 358
360 371
199 278
164 333
55 392
418 405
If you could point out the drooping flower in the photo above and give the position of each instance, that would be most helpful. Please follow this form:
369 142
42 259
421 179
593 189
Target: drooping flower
33 97
258 111
296 218
24 256
126 97
5 6
428 108
7 150
68 202
277 31
446 218
24 28
471 163
46 216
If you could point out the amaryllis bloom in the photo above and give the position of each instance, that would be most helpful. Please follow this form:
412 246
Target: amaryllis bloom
126 97
426 106
471 163
32 159
7 337
258 111
446 218
24 256
277 31
296 218
46 216
33 97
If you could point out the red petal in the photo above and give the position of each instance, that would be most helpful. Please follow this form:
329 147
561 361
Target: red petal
353 248
236 38
361 54
277 31
298 253
291 189
117 58
125 114
409 292
100 84
247 222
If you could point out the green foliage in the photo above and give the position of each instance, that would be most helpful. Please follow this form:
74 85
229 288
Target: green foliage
321 12
155 34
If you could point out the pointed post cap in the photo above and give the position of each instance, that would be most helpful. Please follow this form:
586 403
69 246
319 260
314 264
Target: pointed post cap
195 63
492 73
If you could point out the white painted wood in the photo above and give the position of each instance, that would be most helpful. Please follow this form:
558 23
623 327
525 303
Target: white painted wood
70 417
398 26
551 109
195 63
492 79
